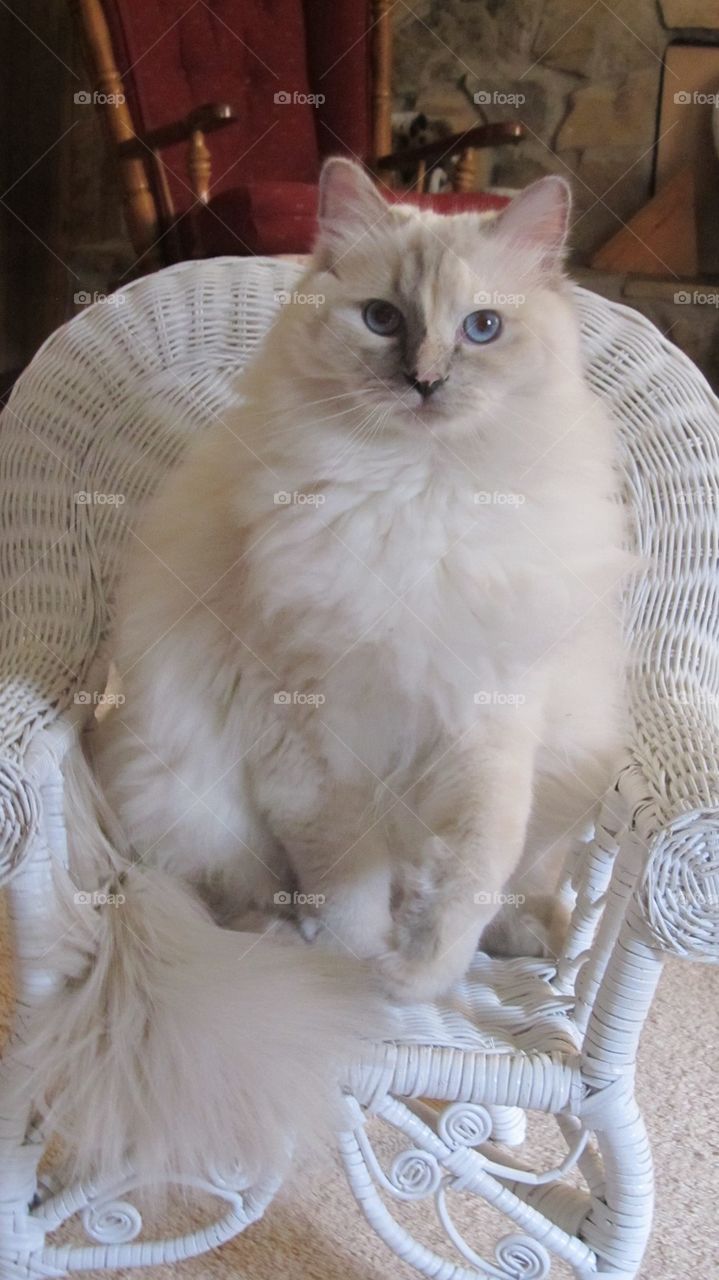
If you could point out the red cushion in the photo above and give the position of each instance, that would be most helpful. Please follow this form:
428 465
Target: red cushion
174 56
453 201
281 217
260 218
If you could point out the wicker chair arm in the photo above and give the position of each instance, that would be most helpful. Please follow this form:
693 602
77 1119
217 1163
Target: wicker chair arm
671 785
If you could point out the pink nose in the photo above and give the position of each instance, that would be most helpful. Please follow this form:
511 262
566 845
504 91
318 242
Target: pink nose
425 388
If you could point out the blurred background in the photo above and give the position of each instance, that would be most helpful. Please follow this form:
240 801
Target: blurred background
137 133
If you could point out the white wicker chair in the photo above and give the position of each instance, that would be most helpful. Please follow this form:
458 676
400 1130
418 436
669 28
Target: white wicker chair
105 408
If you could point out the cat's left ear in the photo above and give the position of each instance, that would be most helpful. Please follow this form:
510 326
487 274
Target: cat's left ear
538 218
350 205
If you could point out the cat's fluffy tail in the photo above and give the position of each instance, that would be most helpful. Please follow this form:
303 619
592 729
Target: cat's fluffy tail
177 1044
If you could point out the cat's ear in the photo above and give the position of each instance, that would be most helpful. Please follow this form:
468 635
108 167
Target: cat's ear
538 218
350 205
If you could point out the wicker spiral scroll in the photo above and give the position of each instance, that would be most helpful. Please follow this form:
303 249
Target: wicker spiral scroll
19 819
680 891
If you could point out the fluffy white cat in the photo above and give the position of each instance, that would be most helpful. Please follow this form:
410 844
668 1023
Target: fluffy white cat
370 653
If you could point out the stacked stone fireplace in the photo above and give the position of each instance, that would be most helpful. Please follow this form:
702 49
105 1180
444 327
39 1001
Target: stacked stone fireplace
585 78
589 79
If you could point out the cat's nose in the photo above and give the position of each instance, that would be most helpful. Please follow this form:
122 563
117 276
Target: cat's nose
425 388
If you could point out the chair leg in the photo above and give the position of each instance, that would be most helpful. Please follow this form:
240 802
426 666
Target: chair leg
21 1236
618 1223
509 1125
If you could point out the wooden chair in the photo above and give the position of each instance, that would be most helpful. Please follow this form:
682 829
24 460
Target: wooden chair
276 100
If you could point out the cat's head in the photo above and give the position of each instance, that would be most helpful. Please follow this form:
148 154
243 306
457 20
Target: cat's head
442 321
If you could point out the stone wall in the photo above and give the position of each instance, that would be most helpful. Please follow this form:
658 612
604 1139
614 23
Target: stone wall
584 80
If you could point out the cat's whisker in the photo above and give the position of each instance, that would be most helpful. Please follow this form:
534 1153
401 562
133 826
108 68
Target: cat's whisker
290 427
355 437
312 404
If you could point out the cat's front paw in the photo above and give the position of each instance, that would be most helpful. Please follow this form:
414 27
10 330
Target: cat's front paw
410 979
537 928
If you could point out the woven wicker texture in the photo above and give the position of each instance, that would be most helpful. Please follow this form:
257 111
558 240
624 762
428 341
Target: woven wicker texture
104 410
111 400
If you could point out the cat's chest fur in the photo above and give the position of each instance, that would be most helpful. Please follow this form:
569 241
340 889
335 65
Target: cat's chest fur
430 581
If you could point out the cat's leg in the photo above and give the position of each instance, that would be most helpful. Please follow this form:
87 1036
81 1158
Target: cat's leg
574 769
334 841
345 893
576 763
473 810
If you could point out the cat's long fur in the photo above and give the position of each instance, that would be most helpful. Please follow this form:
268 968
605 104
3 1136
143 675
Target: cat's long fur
433 593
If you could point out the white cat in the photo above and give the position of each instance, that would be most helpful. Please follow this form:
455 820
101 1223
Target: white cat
368 632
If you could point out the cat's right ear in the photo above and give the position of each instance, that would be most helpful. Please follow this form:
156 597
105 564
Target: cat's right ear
350 205
538 220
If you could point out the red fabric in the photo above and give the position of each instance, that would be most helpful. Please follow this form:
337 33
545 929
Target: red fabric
452 202
339 40
260 218
174 57
281 217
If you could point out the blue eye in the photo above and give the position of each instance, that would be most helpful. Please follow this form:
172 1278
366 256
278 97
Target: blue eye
482 326
381 317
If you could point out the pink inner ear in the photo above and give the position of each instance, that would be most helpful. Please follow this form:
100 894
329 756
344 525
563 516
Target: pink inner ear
540 215
347 193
